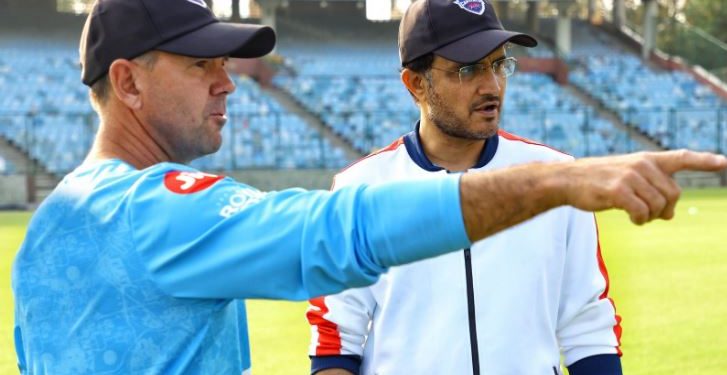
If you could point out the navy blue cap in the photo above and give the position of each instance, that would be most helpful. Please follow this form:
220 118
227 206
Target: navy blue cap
463 31
125 29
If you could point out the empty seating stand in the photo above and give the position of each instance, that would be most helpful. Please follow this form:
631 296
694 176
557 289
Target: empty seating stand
671 107
354 87
44 110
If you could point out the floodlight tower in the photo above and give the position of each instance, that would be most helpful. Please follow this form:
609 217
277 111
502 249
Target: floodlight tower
591 10
267 12
563 35
502 8
532 16
619 14
650 15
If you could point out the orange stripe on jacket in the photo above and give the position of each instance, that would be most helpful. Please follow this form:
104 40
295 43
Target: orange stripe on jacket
602 266
329 339
514 137
393 146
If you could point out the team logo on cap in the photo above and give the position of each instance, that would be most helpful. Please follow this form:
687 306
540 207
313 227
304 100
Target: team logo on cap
199 2
473 6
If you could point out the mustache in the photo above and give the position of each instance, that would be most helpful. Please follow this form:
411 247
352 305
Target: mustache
487 99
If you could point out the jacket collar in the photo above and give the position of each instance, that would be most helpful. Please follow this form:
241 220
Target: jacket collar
413 144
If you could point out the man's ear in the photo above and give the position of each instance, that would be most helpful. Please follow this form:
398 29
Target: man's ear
124 78
414 82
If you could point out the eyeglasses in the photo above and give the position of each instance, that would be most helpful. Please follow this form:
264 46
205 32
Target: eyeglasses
503 68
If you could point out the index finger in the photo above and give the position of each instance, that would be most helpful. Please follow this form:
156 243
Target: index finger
678 160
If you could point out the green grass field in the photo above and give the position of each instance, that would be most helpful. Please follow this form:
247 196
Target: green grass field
669 281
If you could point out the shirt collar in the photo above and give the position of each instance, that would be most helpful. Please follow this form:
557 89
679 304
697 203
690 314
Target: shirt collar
414 147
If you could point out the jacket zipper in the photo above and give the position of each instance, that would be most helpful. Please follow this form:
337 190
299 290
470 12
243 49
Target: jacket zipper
471 313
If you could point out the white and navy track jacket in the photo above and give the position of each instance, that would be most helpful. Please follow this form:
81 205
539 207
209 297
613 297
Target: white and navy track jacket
511 305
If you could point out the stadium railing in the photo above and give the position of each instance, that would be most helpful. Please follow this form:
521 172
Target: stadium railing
694 45
265 140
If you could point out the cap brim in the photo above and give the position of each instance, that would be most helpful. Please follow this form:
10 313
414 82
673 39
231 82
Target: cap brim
476 46
223 39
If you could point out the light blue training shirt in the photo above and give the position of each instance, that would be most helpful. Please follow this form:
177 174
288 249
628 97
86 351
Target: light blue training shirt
127 271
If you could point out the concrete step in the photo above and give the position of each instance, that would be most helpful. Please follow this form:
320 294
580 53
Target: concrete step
46 180
40 186
14 155
41 182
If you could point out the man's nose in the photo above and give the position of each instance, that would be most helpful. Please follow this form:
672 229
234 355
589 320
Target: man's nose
489 82
223 83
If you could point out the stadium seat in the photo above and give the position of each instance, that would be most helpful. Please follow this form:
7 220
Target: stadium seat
671 107
353 85
45 111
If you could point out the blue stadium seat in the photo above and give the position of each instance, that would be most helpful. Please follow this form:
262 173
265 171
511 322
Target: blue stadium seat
45 111
671 107
354 87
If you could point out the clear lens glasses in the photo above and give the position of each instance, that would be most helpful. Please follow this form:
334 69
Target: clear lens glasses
502 68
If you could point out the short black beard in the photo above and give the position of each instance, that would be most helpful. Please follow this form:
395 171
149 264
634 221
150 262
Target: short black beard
447 122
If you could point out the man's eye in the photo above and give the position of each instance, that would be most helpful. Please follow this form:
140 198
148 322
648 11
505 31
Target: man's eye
201 63
468 70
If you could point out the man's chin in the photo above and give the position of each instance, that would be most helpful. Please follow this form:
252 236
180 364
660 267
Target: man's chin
486 130
490 127
214 149
473 135
209 148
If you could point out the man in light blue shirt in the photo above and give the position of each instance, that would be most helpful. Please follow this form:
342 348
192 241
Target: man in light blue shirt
137 263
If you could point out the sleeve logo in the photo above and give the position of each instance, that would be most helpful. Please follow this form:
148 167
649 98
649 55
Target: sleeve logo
241 200
189 182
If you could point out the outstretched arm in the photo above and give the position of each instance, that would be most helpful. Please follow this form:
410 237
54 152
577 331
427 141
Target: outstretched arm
640 183
296 245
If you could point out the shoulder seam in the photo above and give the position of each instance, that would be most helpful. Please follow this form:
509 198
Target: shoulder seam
393 146
517 138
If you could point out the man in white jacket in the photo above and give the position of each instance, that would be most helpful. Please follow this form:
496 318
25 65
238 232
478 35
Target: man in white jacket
520 299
